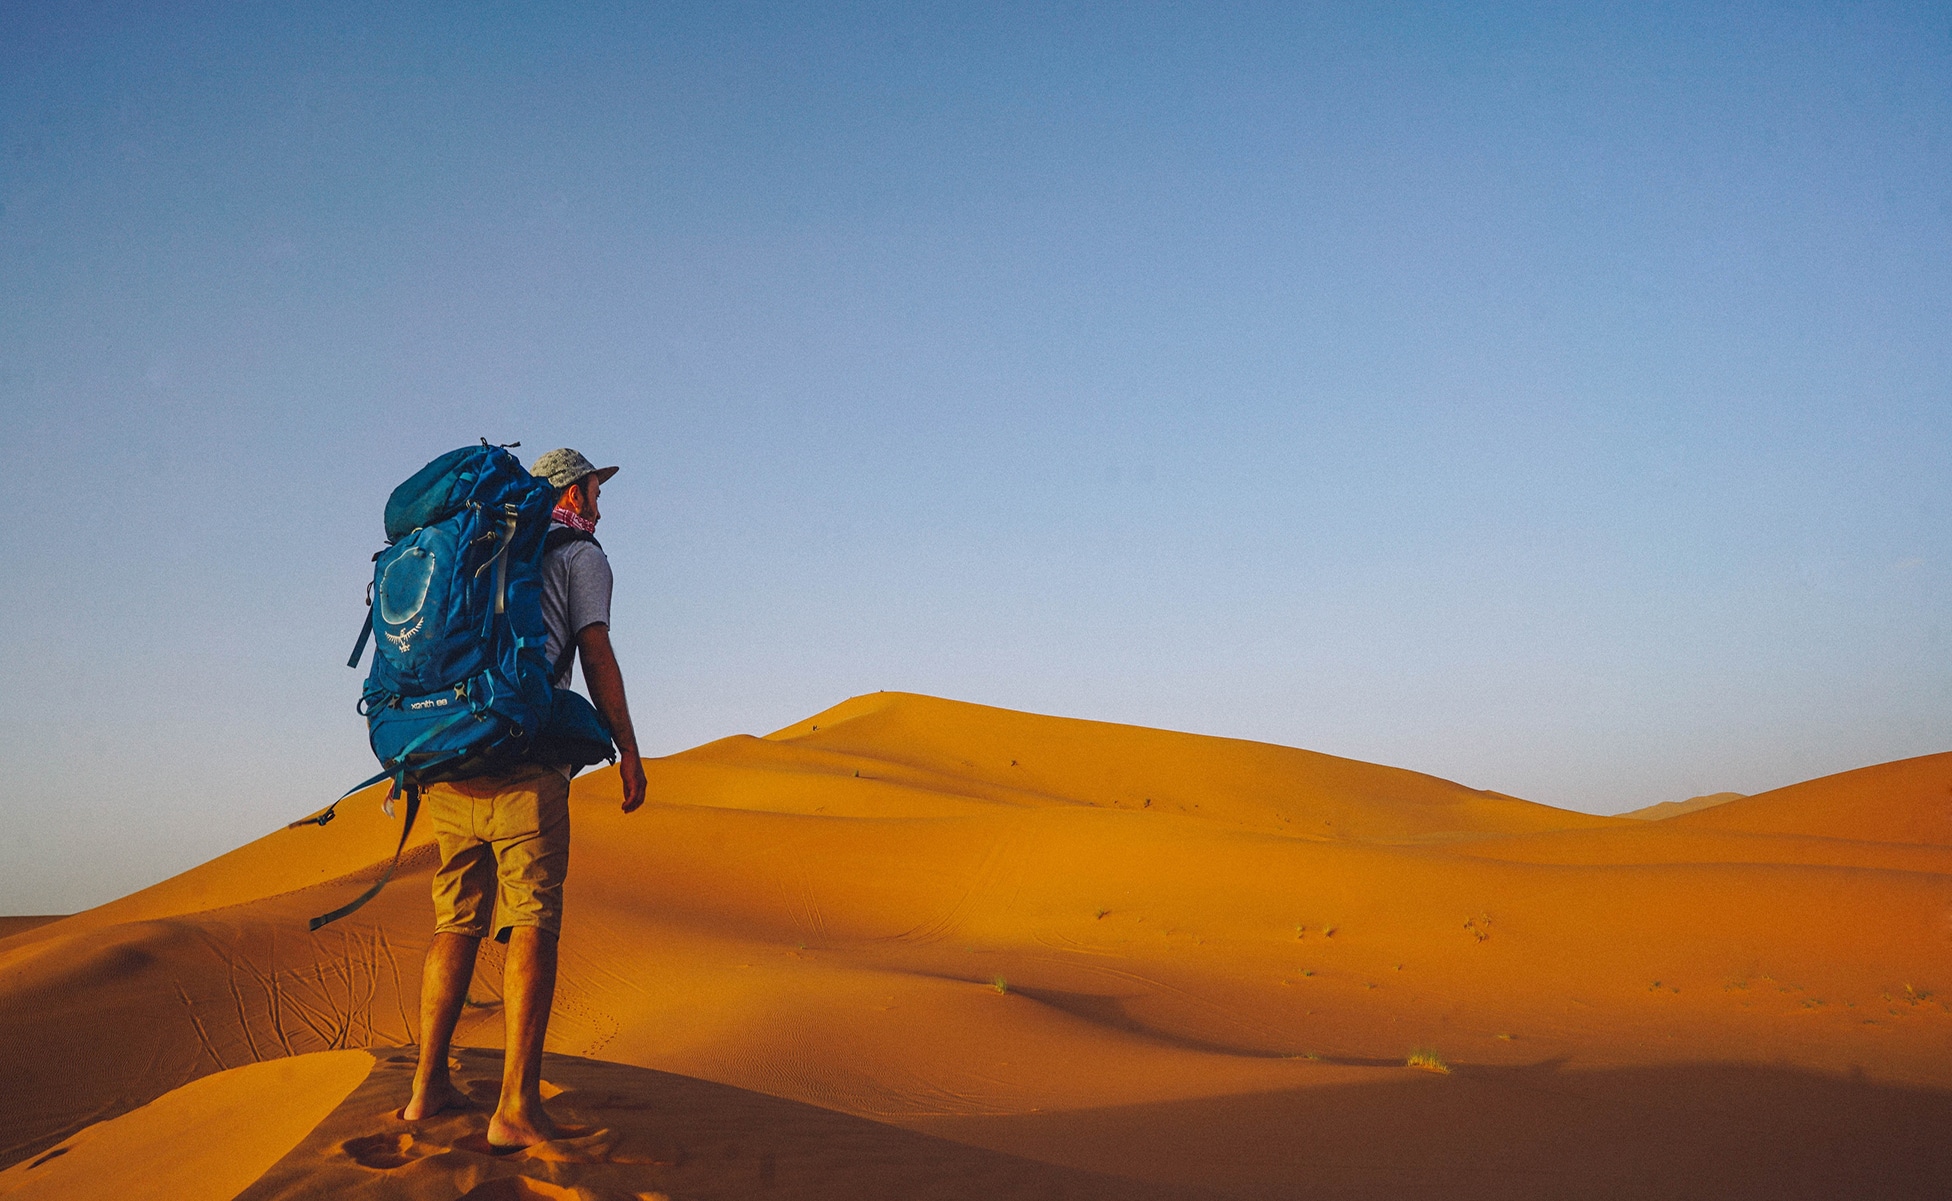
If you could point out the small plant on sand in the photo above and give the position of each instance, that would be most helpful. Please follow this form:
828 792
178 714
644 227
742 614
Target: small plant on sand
1000 984
1426 1060
1479 927
1100 913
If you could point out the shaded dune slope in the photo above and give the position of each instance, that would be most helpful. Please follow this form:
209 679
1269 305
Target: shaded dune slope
996 928
1667 809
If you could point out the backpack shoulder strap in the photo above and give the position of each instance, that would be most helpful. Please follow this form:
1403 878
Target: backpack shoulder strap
562 535
561 665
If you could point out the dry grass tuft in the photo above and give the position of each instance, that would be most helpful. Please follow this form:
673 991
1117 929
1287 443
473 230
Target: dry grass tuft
1426 1060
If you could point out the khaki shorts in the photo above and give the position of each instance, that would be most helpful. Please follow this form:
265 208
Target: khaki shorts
504 852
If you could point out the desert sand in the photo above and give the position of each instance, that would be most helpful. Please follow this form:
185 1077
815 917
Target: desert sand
911 947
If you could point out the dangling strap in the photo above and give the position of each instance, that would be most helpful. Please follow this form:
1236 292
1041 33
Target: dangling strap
402 781
406 827
331 811
359 648
395 769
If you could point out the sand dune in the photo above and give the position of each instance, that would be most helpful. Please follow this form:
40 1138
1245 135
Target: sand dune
910 944
1668 809
1909 801
10 926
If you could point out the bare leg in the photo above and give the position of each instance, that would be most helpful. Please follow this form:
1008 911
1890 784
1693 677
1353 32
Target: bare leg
528 990
443 989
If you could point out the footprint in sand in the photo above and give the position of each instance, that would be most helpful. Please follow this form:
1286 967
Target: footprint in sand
578 1144
598 1146
382 1151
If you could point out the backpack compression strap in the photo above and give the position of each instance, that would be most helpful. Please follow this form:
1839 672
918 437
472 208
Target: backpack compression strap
359 648
396 769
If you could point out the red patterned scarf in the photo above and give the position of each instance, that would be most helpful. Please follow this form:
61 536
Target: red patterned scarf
573 519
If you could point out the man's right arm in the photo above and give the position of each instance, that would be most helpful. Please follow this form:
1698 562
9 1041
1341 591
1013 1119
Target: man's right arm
606 684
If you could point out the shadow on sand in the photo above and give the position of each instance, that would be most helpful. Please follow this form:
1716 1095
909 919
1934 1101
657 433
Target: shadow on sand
1710 1131
650 1134
1690 1131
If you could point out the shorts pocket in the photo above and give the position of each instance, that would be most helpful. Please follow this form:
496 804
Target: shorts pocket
539 802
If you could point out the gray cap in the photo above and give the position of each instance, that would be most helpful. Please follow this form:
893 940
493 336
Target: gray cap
564 467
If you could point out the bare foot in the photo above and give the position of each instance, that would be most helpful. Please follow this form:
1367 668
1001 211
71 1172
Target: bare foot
437 1096
507 1131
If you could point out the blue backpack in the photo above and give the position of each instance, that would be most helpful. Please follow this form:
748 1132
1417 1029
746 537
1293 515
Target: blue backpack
459 685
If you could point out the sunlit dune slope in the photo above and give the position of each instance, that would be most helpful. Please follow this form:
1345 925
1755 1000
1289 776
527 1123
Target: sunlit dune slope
206 1141
1002 754
971 921
1909 801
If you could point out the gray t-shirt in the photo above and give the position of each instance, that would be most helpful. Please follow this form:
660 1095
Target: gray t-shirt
576 586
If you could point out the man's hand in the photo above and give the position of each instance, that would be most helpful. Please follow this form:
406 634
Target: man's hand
606 685
631 768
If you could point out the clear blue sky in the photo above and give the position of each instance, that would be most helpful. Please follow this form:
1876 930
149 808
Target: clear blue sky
1553 398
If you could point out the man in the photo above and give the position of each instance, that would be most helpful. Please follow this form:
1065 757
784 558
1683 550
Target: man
504 840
